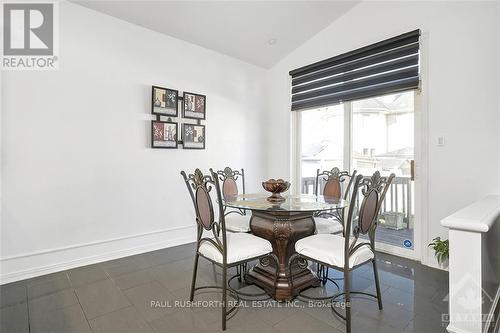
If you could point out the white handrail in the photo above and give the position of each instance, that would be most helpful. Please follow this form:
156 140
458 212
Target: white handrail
478 216
474 265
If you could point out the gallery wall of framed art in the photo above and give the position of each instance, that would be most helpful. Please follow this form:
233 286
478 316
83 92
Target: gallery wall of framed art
165 103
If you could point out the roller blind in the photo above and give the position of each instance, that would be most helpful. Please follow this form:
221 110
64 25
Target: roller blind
385 67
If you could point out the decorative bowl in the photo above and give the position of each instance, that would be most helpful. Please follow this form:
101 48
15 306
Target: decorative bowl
276 187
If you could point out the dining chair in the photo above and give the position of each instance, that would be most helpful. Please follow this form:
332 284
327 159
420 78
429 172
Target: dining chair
237 220
334 184
221 248
331 222
350 252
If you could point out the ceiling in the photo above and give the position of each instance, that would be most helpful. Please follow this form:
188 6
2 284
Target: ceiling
258 32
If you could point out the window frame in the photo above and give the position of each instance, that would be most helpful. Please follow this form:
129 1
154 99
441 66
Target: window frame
420 156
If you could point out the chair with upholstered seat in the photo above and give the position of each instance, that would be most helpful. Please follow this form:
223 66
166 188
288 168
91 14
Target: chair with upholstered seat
337 185
222 248
236 220
350 252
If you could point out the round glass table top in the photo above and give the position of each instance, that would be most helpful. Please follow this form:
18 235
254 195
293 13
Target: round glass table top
292 203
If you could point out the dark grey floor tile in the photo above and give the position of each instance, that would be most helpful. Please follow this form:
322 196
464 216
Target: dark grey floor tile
182 322
45 278
207 305
153 258
134 279
182 252
329 289
40 305
100 298
121 268
368 325
441 297
321 310
48 287
143 260
64 320
186 264
12 294
246 320
429 310
273 312
412 295
85 275
303 322
391 315
14 318
427 323
419 286
151 300
125 320
116 262
410 300
174 280
164 256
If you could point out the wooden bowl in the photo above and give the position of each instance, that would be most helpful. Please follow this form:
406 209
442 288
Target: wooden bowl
276 187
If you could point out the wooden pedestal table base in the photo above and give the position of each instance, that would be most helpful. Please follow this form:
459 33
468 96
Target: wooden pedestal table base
282 229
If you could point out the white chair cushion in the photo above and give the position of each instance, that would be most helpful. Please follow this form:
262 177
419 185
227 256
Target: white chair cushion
240 246
238 223
329 249
327 226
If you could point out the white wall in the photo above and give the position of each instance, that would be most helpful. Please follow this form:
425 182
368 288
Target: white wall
80 183
461 85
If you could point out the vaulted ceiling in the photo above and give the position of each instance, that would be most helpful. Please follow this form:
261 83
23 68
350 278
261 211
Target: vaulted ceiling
258 32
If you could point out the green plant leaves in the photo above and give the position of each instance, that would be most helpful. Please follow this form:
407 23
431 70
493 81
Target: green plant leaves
441 249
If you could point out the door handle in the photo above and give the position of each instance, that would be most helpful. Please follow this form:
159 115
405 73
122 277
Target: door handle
412 170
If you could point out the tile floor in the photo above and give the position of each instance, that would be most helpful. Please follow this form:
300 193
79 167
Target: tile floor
116 296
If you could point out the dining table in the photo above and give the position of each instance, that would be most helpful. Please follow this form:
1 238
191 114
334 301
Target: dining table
283 224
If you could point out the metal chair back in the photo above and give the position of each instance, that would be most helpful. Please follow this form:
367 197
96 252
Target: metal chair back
334 180
373 191
201 188
229 178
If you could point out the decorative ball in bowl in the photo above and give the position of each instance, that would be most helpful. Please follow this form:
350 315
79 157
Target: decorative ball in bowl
276 187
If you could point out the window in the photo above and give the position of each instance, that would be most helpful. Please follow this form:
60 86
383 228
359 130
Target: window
382 134
365 135
379 134
322 143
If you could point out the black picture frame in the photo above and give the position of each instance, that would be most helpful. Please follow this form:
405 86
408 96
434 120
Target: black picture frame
190 108
171 96
168 144
189 140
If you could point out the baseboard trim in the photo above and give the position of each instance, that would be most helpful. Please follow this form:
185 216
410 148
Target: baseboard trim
119 248
109 240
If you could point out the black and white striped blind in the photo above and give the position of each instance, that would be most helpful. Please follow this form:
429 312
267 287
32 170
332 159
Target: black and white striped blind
385 67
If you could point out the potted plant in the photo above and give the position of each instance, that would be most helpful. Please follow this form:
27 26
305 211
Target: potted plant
441 248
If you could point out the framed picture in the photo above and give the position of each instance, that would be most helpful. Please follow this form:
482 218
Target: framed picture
193 136
164 101
193 106
163 134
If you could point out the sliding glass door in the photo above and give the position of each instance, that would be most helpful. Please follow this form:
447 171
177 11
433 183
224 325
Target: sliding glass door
366 135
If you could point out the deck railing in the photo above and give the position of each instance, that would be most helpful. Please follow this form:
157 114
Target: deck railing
399 197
